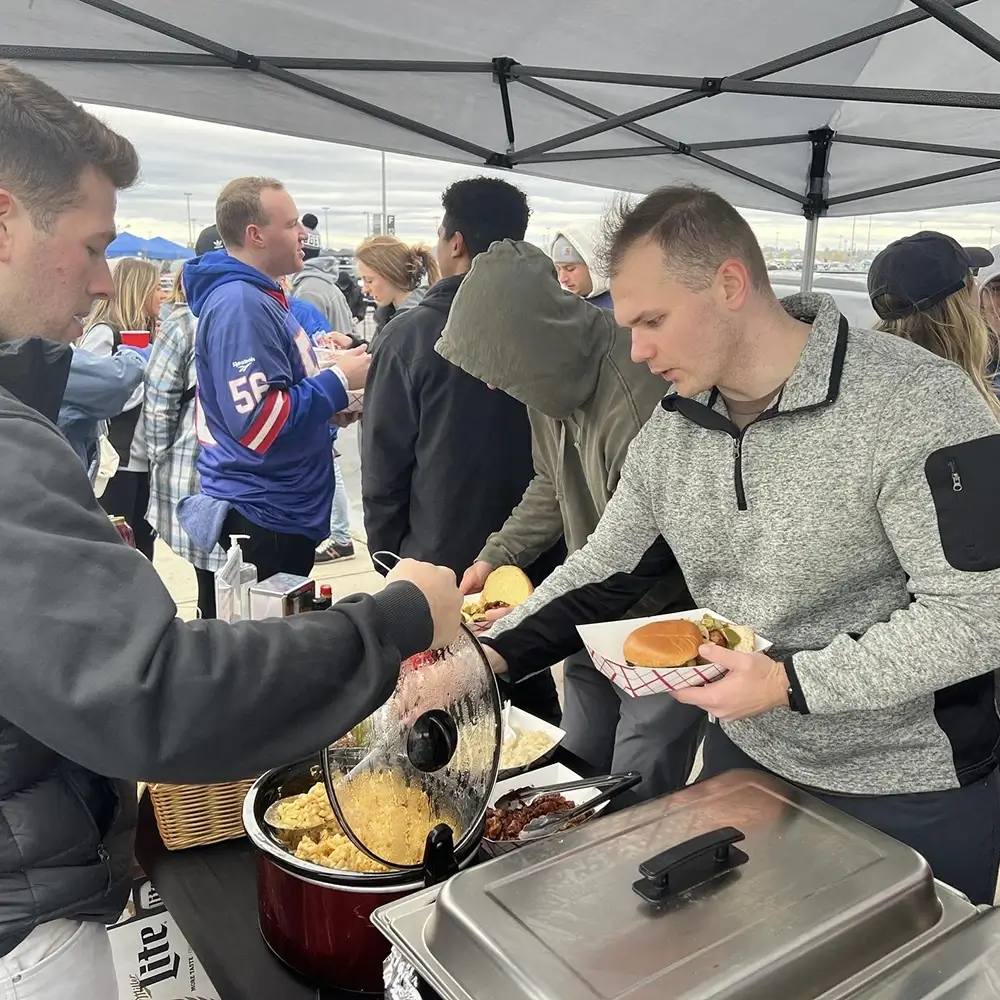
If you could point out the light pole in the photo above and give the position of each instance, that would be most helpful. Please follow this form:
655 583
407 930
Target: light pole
854 224
187 197
383 194
326 224
868 248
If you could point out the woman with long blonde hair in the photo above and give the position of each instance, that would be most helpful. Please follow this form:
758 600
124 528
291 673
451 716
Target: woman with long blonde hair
923 289
134 308
392 273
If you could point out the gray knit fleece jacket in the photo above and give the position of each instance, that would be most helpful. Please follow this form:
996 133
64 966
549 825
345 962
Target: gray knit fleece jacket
855 525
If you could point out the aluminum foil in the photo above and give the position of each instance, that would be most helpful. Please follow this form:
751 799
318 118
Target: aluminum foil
400 978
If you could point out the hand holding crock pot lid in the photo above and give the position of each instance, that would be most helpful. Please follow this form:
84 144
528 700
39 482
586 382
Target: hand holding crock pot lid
439 587
439 735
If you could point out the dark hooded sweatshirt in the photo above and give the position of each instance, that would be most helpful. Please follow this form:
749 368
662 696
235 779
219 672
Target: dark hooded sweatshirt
99 680
445 458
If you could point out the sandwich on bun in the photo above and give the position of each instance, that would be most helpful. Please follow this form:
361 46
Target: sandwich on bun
505 587
675 642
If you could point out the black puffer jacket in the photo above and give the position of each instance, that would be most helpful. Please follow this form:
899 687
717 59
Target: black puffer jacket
66 834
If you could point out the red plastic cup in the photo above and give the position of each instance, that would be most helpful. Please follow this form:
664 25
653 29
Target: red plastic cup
135 338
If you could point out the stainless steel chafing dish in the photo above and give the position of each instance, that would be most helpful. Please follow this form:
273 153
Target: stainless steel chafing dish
740 887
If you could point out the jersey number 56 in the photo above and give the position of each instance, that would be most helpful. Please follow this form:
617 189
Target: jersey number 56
248 391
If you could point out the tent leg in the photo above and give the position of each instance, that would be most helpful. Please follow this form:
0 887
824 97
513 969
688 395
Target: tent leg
809 253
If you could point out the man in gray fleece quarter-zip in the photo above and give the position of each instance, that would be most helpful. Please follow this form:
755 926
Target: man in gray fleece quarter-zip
832 488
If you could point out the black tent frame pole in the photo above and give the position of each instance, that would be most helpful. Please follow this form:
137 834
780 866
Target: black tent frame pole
949 175
918 147
244 60
944 12
864 34
815 203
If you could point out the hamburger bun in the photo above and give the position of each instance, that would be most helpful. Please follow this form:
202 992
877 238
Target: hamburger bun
669 643
506 585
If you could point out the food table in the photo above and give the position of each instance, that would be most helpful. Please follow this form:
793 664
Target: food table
211 892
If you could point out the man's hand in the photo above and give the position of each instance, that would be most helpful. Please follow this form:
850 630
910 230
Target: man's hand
438 585
755 684
497 663
344 418
334 341
474 578
355 364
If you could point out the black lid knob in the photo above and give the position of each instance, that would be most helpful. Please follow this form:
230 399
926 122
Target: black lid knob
432 740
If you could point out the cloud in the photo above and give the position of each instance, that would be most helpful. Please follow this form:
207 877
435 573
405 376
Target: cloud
181 156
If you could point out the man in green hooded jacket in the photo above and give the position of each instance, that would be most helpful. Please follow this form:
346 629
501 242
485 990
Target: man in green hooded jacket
513 327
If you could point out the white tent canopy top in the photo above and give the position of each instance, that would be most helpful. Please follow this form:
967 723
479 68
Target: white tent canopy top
808 106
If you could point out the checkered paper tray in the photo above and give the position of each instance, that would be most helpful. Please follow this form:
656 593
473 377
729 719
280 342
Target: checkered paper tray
605 642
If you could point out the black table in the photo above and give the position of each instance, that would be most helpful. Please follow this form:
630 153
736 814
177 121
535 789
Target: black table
211 893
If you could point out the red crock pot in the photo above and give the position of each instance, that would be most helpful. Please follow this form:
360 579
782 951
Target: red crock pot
316 919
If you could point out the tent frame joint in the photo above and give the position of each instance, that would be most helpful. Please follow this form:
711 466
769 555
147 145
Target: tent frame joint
711 85
501 161
246 60
818 187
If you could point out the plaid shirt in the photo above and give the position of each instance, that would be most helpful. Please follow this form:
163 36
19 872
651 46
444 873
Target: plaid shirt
170 435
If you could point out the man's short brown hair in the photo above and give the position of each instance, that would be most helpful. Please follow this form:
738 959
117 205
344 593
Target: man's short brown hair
696 229
238 206
46 143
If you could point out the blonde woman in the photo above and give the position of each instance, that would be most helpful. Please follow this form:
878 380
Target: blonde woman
392 273
134 308
923 289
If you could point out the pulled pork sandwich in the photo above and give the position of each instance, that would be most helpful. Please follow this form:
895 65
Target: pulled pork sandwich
505 587
675 642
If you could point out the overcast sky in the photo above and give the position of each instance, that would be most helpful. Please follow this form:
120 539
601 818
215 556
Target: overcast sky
180 155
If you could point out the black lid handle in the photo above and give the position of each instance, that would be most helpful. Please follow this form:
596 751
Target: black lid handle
690 863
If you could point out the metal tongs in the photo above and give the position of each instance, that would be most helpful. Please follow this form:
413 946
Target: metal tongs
544 826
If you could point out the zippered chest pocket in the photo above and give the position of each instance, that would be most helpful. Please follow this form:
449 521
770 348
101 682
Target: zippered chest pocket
964 480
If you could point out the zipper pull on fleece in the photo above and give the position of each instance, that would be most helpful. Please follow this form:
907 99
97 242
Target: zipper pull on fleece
736 447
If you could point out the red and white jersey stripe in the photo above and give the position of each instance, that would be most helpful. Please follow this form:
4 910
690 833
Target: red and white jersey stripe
274 412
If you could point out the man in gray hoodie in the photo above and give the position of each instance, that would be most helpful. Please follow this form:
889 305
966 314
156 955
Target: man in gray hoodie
832 488
99 679
317 284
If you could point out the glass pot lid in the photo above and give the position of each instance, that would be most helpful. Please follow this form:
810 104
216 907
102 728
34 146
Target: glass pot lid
428 756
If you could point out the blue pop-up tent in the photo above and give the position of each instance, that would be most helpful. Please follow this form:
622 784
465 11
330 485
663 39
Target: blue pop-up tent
159 248
126 245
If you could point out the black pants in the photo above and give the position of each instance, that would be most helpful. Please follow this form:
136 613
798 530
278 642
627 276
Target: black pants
957 830
127 495
206 592
270 551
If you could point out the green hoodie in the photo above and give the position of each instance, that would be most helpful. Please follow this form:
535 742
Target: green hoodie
513 326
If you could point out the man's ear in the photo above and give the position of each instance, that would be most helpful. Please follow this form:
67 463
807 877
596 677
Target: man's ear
8 208
458 248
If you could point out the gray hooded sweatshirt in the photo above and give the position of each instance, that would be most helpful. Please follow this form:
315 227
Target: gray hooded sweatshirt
854 525
316 284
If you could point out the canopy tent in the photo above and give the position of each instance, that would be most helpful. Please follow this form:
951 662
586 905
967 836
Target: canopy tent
126 245
159 248
843 108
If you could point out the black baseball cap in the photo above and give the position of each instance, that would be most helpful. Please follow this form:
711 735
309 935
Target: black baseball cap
922 270
208 240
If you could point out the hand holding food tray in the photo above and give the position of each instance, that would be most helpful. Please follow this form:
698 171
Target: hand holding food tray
681 667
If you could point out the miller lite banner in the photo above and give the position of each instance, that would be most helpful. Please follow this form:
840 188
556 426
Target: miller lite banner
153 960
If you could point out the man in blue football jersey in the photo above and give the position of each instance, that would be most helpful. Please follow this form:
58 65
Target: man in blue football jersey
264 407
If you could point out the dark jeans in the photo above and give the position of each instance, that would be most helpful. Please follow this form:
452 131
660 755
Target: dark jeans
206 592
270 551
957 830
127 495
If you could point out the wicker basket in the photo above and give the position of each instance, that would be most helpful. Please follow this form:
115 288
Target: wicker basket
197 815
